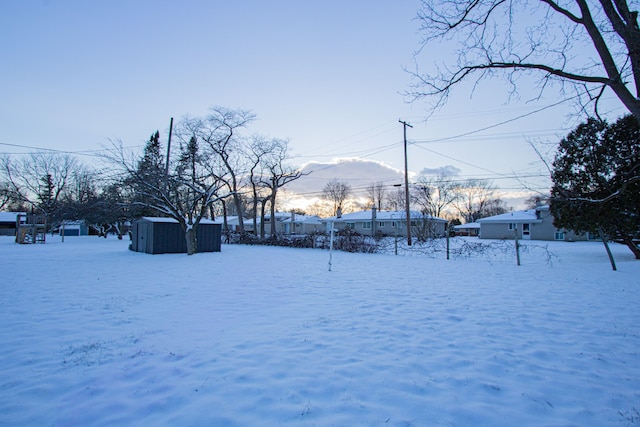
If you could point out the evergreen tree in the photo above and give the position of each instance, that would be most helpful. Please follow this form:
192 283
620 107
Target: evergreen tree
596 180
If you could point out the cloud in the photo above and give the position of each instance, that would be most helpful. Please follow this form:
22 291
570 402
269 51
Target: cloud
358 173
447 170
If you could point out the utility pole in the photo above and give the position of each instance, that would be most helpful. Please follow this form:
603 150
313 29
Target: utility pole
406 182
166 172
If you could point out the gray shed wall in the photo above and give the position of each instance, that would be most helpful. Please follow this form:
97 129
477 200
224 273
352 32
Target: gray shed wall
167 237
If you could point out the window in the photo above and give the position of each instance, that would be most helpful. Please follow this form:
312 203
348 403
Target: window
559 235
513 226
351 225
381 223
366 224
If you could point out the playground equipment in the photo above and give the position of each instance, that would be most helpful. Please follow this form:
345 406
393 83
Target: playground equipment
31 228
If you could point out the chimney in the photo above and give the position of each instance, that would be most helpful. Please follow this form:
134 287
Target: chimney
339 212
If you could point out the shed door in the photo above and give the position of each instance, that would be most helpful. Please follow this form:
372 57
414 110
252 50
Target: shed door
526 231
141 231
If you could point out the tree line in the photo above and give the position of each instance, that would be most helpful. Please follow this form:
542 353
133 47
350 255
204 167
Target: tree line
210 168
439 196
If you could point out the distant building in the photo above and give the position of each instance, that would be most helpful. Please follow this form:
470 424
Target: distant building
470 229
388 223
530 224
8 222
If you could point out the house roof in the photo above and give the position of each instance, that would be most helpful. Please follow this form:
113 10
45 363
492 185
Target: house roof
10 216
467 226
383 216
528 215
304 219
233 220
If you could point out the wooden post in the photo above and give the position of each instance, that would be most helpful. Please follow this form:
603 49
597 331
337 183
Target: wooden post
448 231
517 247
330 245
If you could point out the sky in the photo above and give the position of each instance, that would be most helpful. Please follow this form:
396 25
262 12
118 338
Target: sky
328 76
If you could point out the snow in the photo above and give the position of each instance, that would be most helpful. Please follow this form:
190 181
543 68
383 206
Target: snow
528 215
96 335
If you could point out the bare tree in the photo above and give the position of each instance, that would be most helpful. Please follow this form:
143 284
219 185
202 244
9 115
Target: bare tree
185 192
473 197
259 148
493 207
6 197
40 180
376 194
397 199
591 47
536 200
434 195
278 175
336 192
219 133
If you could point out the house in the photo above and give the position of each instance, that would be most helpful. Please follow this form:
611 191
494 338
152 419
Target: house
233 223
279 217
300 224
8 222
530 224
470 229
388 223
73 228
165 235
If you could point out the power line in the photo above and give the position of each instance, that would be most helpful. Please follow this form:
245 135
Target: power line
504 122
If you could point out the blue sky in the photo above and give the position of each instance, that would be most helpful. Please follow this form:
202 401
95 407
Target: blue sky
329 76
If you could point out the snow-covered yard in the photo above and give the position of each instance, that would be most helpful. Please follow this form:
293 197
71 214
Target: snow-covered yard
94 334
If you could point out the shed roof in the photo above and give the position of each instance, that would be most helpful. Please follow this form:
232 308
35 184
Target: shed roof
172 220
10 216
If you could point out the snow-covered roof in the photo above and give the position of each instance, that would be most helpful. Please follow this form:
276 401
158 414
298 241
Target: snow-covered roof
173 220
383 216
304 219
10 216
232 220
466 226
528 215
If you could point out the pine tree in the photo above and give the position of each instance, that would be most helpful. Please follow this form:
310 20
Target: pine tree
596 180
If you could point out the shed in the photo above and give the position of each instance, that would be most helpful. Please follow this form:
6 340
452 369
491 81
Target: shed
8 222
73 228
165 235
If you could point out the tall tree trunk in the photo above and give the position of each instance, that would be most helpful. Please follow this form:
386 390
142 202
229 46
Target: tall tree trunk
606 246
238 203
263 206
632 246
274 231
192 242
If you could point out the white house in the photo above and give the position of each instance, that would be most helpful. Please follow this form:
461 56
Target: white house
469 229
300 224
530 224
388 223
